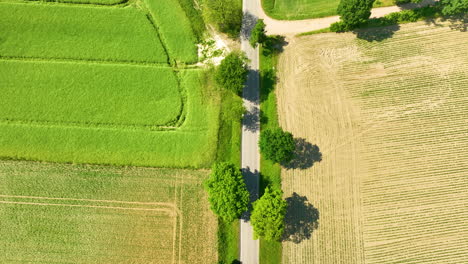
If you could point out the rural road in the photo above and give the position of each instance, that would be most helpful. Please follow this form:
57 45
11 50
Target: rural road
294 27
249 248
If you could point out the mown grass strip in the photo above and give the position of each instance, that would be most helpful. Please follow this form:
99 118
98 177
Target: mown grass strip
270 252
39 30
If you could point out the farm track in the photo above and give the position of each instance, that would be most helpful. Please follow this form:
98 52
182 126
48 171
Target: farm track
391 187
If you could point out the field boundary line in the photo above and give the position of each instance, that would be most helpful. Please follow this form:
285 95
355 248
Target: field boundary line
170 211
120 4
87 61
172 206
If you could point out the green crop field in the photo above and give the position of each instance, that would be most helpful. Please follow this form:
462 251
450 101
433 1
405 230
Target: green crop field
58 213
104 84
73 93
303 9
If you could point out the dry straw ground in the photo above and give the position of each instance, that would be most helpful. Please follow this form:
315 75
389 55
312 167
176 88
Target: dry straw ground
57 213
390 117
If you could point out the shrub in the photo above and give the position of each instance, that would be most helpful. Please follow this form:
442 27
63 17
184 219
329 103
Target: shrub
258 33
232 72
354 12
227 191
268 215
452 7
338 27
226 15
277 145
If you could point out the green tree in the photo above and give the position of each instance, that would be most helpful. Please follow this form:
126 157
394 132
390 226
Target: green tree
453 7
268 215
226 15
227 192
232 72
354 12
277 145
258 33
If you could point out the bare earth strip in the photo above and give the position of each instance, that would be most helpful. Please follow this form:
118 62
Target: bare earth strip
391 120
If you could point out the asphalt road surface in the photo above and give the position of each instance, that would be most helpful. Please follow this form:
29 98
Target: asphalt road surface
249 248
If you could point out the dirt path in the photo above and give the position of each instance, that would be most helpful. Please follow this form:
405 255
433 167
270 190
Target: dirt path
293 27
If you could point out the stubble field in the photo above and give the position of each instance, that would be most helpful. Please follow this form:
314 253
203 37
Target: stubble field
390 119
52 213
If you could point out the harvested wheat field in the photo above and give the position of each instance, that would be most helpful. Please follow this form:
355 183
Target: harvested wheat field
391 120
60 213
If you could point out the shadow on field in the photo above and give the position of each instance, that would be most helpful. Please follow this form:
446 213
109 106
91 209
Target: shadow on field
305 155
301 219
376 34
457 22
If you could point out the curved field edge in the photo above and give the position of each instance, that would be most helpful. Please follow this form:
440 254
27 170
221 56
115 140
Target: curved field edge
132 214
194 144
307 9
175 29
389 117
52 31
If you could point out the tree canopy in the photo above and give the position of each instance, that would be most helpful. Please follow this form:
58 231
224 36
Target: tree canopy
277 145
226 15
452 7
258 33
228 194
268 215
232 72
354 13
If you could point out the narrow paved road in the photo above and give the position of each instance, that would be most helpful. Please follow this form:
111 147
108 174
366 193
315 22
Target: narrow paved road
249 248
294 27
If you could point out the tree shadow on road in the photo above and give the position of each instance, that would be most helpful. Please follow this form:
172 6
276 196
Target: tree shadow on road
248 23
251 119
252 181
301 219
305 155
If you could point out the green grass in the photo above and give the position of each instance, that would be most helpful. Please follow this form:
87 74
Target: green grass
88 84
303 9
228 241
319 31
270 252
95 2
195 16
193 144
88 94
50 31
176 31
58 213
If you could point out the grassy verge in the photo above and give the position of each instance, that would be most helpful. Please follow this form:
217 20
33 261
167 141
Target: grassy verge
228 241
305 9
319 31
270 252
